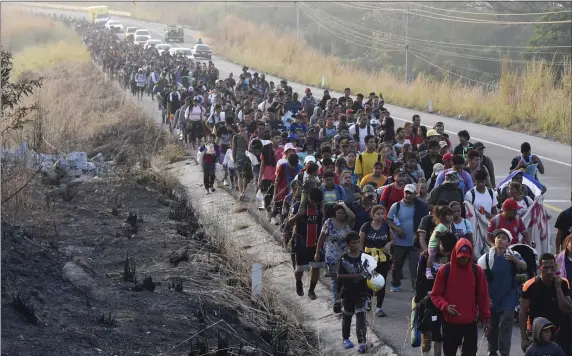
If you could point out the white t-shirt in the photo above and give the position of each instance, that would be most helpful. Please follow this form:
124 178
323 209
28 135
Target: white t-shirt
483 199
463 228
362 134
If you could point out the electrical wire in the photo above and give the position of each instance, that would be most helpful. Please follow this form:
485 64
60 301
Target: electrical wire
439 43
491 14
448 71
454 18
353 41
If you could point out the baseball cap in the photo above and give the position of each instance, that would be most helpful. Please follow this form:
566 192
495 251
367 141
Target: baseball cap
438 168
288 146
368 190
411 188
448 156
465 251
432 132
502 231
292 137
399 171
349 111
309 159
443 144
307 90
478 145
510 204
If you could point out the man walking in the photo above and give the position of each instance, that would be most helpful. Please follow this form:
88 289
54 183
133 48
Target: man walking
501 266
461 292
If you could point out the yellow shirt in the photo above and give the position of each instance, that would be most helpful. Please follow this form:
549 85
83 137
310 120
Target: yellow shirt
370 178
364 165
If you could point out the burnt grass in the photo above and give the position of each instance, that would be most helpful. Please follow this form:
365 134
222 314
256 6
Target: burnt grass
162 288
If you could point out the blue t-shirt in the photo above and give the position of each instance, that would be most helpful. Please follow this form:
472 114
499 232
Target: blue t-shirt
405 219
503 289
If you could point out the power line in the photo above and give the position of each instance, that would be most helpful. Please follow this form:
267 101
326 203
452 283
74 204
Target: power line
491 14
444 44
448 71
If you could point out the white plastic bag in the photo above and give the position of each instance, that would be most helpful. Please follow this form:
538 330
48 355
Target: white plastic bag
219 172
200 156
259 195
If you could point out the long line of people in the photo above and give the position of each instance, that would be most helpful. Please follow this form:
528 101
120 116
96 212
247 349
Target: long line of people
343 182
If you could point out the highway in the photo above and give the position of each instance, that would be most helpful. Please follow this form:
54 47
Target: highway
501 145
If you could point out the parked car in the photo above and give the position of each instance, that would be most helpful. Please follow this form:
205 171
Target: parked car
175 33
202 51
142 33
114 26
152 43
182 51
163 47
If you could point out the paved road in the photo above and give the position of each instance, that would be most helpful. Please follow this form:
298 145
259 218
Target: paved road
502 146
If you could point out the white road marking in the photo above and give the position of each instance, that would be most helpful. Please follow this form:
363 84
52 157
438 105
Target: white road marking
557 201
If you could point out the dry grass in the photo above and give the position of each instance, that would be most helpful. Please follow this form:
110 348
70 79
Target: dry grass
528 101
42 57
173 152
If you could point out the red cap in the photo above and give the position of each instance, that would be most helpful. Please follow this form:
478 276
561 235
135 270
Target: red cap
510 204
465 251
448 156
349 111
308 90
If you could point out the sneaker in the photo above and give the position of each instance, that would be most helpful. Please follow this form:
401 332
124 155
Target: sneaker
225 183
312 295
429 274
208 192
299 288
380 313
337 307
394 289
213 190
348 344
368 305
273 221
362 349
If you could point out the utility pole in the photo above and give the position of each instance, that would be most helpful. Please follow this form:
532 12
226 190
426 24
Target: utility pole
297 21
225 9
407 46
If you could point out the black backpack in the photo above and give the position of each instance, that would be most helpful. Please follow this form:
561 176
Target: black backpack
490 193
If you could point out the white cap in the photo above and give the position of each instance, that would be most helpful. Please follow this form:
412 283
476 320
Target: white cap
309 159
289 146
410 188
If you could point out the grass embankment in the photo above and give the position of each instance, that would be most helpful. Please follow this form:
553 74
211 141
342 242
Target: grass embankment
77 109
527 101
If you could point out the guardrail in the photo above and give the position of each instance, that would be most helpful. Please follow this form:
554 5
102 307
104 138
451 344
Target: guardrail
68 7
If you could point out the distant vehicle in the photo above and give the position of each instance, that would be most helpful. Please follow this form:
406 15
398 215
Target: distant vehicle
187 52
142 33
163 47
114 26
98 14
130 33
152 43
140 40
202 51
175 33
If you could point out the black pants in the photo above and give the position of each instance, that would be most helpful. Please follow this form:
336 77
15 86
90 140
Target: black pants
383 269
354 306
208 175
455 335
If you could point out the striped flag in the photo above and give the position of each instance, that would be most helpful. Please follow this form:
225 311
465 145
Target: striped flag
527 180
536 219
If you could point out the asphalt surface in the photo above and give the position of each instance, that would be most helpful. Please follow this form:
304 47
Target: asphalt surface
501 145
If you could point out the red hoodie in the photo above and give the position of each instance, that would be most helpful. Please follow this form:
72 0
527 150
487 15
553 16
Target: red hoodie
461 289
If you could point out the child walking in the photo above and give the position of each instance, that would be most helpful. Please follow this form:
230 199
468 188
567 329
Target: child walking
210 158
352 277
444 221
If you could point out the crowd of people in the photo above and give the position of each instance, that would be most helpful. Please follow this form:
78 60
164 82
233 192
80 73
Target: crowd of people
342 180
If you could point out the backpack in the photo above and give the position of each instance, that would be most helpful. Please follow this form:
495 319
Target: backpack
356 135
489 273
488 189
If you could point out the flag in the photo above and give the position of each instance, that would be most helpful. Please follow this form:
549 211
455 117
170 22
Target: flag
527 180
535 218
